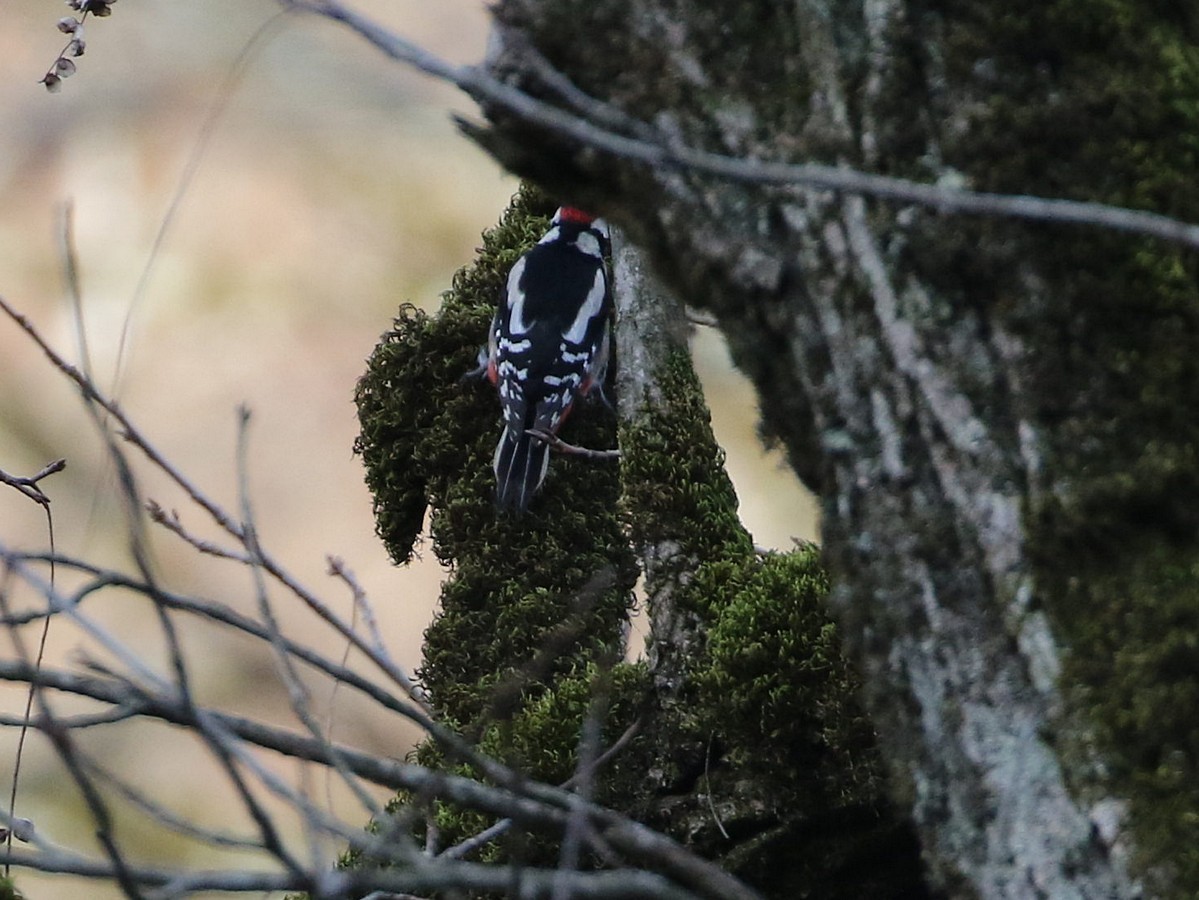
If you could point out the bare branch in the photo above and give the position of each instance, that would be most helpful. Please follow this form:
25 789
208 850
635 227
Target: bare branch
210 611
172 523
226 521
287 671
338 569
62 742
541 808
29 485
423 877
662 152
140 692
561 446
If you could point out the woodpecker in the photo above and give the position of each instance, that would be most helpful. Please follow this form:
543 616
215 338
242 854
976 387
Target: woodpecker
548 345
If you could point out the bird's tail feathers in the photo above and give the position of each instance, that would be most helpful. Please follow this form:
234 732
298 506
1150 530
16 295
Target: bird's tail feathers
520 464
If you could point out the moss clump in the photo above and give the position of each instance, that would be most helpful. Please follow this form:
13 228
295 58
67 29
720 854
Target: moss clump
675 487
533 615
524 648
790 759
759 755
539 735
427 440
777 683
424 438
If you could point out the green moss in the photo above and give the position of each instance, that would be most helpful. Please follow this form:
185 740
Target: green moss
777 683
789 759
545 734
427 440
675 487
767 726
533 614
541 737
762 759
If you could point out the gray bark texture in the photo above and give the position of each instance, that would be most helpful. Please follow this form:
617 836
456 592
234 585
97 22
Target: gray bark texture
995 414
651 325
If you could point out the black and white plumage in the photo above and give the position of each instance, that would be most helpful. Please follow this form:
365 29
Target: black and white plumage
548 345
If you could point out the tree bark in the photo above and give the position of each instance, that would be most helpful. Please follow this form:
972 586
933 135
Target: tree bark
994 414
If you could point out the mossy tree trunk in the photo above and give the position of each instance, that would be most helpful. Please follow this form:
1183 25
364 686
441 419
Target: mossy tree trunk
757 749
750 745
999 417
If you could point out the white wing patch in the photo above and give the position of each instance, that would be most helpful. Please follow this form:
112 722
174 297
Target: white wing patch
587 243
515 346
568 357
588 311
516 299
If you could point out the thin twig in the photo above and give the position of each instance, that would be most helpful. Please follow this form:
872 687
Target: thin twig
207 610
70 268
61 741
541 807
222 518
338 569
44 501
191 166
590 736
83 720
172 523
708 790
416 880
589 108
297 693
474 842
556 443
96 806
155 811
663 153
29 485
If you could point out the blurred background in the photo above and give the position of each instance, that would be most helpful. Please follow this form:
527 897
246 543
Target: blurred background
252 256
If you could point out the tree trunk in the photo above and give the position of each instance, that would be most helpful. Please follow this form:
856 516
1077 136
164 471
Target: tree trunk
743 736
996 415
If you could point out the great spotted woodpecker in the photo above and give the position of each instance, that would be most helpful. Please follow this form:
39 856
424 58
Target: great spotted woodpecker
548 345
